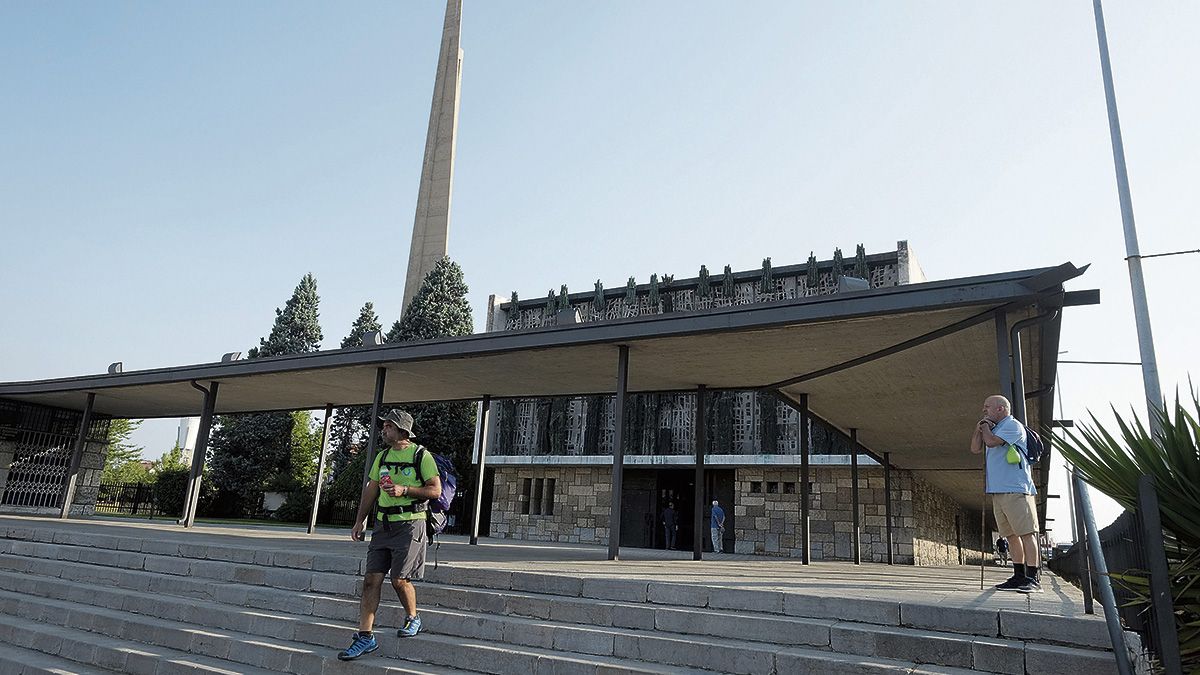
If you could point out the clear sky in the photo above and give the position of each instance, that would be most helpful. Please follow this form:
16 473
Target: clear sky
169 171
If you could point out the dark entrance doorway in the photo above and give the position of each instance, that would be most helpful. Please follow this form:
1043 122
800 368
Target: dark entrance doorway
646 492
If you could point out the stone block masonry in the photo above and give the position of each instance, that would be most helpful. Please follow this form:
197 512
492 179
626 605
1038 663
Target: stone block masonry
571 504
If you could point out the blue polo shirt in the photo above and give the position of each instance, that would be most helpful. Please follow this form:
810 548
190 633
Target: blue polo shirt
1002 476
718 517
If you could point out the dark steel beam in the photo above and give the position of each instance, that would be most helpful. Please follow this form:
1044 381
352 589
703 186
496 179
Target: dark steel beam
887 351
887 502
701 440
618 466
191 502
481 429
857 532
805 477
72 478
373 428
312 516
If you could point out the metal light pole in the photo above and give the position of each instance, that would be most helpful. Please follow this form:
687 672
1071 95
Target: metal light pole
1133 257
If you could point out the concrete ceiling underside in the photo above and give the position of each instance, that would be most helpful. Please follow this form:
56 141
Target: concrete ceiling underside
907 366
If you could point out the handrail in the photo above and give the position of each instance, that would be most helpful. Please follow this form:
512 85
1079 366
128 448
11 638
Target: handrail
1115 633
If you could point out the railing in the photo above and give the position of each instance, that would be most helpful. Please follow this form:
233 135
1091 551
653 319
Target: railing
1134 545
131 498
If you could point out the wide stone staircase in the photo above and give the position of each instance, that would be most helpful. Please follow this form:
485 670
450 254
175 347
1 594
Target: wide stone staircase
86 602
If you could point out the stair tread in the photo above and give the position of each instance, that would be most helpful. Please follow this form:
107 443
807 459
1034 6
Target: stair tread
15 660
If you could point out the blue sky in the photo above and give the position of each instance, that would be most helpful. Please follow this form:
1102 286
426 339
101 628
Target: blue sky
170 171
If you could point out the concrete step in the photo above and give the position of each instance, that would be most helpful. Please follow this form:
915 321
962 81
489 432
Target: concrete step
93 652
894 643
16 660
334 575
893 647
297 634
587 619
230 650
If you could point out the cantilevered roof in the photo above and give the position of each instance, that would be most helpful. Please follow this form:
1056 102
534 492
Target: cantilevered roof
846 351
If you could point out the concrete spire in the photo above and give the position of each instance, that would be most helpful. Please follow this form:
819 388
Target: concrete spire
431 227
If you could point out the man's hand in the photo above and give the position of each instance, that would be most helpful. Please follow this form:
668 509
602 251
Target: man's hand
356 532
395 490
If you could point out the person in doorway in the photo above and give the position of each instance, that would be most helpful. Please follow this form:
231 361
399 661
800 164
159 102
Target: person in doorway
717 525
1002 550
399 499
670 521
1010 482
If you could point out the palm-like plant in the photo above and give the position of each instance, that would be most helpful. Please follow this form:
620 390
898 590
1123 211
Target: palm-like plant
1114 464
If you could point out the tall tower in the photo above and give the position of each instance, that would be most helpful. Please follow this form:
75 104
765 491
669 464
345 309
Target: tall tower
431 227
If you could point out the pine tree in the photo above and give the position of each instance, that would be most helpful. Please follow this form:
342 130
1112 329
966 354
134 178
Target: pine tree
350 424
255 452
440 310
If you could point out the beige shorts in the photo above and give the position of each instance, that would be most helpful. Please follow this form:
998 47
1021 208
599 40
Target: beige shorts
1016 514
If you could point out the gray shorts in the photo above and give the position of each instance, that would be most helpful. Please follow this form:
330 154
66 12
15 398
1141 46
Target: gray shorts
398 549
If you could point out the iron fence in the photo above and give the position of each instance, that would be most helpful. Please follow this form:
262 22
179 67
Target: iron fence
127 498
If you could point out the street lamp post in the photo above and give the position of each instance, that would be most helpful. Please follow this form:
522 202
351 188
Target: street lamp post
1141 311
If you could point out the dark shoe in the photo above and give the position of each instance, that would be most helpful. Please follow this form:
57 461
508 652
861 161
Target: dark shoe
363 644
1030 586
412 626
1012 584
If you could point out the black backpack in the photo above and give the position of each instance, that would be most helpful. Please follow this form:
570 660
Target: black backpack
1034 447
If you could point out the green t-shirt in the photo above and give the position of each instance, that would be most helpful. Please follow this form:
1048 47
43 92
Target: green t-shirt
407 476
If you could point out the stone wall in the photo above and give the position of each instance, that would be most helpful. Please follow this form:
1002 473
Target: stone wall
766 512
580 512
941 527
768 522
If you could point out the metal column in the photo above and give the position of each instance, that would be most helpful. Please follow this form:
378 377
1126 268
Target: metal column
312 517
68 495
887 503
856 534
701 439
480 432
618 467
373 428
197 473
805 451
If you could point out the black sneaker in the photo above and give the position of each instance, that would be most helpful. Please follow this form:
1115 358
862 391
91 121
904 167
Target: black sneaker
1030 586
1012 584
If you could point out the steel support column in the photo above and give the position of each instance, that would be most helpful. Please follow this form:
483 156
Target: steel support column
373 428
701 440
197 474
618 466
68 494
856 534
312 516
481 428
887 503
805 477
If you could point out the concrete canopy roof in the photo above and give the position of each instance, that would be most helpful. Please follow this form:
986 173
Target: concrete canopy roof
917 403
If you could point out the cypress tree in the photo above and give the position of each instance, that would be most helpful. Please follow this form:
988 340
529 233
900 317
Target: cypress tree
655 298
256 452
766 283
703 288
350 424
838 264
440 310
814 277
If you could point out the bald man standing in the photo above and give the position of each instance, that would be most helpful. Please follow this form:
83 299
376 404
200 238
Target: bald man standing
1010 483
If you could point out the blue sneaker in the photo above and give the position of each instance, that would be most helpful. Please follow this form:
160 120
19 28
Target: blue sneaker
363 644
412 626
